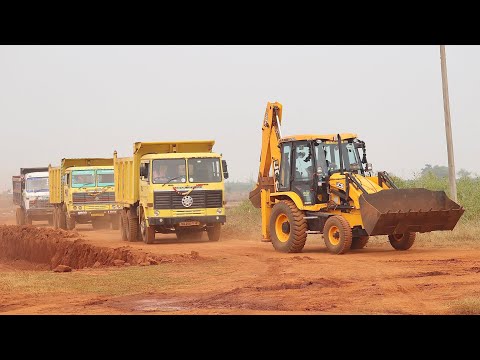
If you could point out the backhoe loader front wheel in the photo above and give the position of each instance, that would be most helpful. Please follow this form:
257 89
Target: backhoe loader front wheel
337 235
402 241
359 242
288 228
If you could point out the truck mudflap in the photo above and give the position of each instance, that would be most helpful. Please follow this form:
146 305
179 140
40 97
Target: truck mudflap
397 211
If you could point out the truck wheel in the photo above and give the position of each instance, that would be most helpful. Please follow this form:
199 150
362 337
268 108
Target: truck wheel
55 218
50 220
70 223
123 225
62 219
213 232
148 232
20 217
337 235
359 242
288 228
402 241
28 220
132 225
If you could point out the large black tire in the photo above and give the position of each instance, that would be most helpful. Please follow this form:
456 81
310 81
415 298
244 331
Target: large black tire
288 228
28 220
132 225
70 223
213 232
62 219
359 242
148 232
337 235
20 216
55 218
402 241
123 225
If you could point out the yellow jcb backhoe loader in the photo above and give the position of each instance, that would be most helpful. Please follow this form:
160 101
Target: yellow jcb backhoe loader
321 185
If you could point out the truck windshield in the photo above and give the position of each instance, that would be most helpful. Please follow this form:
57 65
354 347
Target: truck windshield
105 177
83 178
328 158
37 184
204 170
168 170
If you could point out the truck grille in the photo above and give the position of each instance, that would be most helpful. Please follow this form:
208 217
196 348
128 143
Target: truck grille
201 199
40 204
82 198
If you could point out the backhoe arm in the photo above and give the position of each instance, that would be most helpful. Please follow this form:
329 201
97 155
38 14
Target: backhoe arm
270 152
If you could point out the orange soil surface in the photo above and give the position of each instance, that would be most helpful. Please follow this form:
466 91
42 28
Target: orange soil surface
246 276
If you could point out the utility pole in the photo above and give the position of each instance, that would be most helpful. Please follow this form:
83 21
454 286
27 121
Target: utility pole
448 126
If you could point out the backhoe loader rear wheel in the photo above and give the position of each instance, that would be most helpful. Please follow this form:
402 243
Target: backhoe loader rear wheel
288 228
402 241
359 242
337 235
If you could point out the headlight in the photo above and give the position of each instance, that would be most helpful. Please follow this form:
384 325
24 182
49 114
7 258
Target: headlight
74 208
156 212
79 208
219 211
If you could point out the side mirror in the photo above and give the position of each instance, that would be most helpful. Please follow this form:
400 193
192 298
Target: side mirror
368 167
225 169
144 172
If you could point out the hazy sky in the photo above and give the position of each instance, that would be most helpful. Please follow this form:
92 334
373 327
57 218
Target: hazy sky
86 101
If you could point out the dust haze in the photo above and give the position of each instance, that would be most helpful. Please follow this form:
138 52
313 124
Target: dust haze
87 101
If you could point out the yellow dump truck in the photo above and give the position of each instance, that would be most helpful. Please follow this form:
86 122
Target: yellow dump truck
171 187
82 192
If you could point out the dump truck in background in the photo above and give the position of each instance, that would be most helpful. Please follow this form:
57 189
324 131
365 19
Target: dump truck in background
171 187
31 196
322 184
82 192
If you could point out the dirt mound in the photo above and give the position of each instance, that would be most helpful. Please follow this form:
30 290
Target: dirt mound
60 247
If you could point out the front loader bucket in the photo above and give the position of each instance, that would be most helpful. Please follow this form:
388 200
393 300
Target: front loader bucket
397 211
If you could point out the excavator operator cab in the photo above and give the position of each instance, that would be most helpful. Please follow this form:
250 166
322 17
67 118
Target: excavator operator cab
306 166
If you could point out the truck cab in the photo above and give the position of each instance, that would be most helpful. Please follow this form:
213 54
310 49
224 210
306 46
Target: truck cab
82 191
180 190
31 196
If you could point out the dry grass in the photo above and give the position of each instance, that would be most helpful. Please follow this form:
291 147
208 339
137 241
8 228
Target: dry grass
244 221
468 306
109 281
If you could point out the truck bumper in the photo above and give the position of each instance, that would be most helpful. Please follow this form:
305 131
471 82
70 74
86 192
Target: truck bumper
176 220
40 212
95 213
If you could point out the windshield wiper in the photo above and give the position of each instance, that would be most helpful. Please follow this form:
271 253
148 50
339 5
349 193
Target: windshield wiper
176 177
85 185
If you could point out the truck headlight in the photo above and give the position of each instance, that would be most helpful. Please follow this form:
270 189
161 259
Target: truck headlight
74 207
156 212
219 211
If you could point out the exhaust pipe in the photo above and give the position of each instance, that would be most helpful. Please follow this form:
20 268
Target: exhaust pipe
398 211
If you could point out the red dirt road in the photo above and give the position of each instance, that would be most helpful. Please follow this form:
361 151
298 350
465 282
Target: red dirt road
246 276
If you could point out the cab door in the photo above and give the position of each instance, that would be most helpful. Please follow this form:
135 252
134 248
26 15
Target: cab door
302 172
